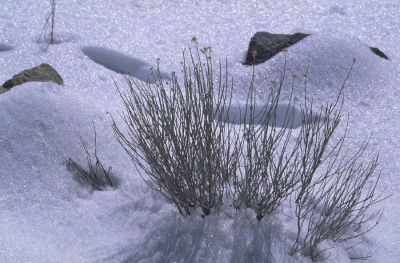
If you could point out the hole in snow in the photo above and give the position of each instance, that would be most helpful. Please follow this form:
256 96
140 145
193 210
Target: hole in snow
4 47
122 63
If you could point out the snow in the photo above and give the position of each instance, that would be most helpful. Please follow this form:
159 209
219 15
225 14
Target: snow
286 115
4 47
47 216
121 63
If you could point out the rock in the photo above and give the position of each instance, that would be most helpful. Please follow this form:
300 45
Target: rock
2 89
378 52
44 72
264 45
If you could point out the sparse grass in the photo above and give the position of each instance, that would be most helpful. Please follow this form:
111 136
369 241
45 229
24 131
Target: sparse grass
96 175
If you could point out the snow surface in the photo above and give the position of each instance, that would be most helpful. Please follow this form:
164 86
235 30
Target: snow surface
47 216
121 63
285 116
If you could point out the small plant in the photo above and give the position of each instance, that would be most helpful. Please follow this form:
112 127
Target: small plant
172 136
48 27
97 176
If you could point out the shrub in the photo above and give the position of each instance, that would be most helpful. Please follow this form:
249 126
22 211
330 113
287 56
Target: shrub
336 189
269 161
183 143
96 176
48 27
172 136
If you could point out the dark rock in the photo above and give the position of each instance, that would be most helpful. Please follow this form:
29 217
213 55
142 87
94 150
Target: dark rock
2 89
264 45
378 52
44 72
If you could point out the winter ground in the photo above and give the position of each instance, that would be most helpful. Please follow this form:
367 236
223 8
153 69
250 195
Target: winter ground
47 216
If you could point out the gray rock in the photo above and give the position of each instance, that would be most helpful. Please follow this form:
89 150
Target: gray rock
44 72
2 89
264 45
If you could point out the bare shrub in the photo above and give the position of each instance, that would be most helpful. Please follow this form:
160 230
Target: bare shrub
48 27
336 189
96 176
172 136
269 160
181 151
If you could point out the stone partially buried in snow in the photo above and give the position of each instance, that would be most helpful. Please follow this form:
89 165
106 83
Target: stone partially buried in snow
264 45
44 73
379 53
2 89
